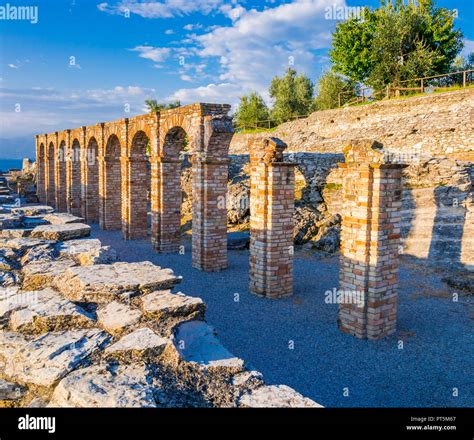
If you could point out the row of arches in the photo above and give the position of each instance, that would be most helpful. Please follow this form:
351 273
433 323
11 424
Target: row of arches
110 174
72 179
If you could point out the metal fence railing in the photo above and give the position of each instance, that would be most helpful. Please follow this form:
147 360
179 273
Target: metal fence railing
445 81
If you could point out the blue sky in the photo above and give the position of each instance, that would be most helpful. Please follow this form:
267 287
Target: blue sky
86 61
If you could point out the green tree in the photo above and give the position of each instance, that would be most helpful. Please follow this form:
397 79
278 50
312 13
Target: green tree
330 87
293 96
154 106
251 109
396 42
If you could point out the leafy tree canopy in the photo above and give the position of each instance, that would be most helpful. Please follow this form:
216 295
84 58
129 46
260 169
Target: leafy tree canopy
154 106
251 109
395 42
333 89
292 95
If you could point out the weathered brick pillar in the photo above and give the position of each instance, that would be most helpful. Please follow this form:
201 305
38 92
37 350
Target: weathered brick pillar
50 180
134 198
272 198
209 212
370 239
40 178
110 194
90 185
166 204
73 181
41 190
60 181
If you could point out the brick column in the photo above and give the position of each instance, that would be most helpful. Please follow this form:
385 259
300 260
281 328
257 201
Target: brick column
40 180
272 198
110 216
134 198
50 187
60 181
166 204
370 239
90 186
40 172
73 182
209 213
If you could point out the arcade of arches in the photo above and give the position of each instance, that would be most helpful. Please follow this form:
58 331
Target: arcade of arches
105 172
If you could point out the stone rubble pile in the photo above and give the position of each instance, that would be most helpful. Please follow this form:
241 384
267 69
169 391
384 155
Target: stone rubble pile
80 329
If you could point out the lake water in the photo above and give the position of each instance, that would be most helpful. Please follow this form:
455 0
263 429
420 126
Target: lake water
7 164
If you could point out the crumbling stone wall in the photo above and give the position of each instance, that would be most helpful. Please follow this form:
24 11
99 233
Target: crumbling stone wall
436 124
438 207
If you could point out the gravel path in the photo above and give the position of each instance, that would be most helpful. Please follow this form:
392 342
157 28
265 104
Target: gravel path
295 341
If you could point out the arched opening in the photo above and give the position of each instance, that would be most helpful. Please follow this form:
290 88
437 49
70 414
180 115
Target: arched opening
74 205
61 203
41 179
137 199
90 186
50 186
112 198
173 171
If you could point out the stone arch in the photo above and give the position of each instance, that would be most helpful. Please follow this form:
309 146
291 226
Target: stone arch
61 179
50 169
175 141
90 186
110 205
74 178
135 187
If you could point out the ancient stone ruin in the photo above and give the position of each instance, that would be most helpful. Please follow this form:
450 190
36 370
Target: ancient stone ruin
102 173
74 319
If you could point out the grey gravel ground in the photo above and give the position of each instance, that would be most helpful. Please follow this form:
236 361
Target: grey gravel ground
324 364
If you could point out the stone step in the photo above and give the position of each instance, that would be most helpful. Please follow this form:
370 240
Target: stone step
197 343
103 283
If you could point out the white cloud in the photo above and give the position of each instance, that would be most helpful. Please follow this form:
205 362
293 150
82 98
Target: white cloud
156 54
224 93
260 44
13 66
165 9
169 32
47 109
192 27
